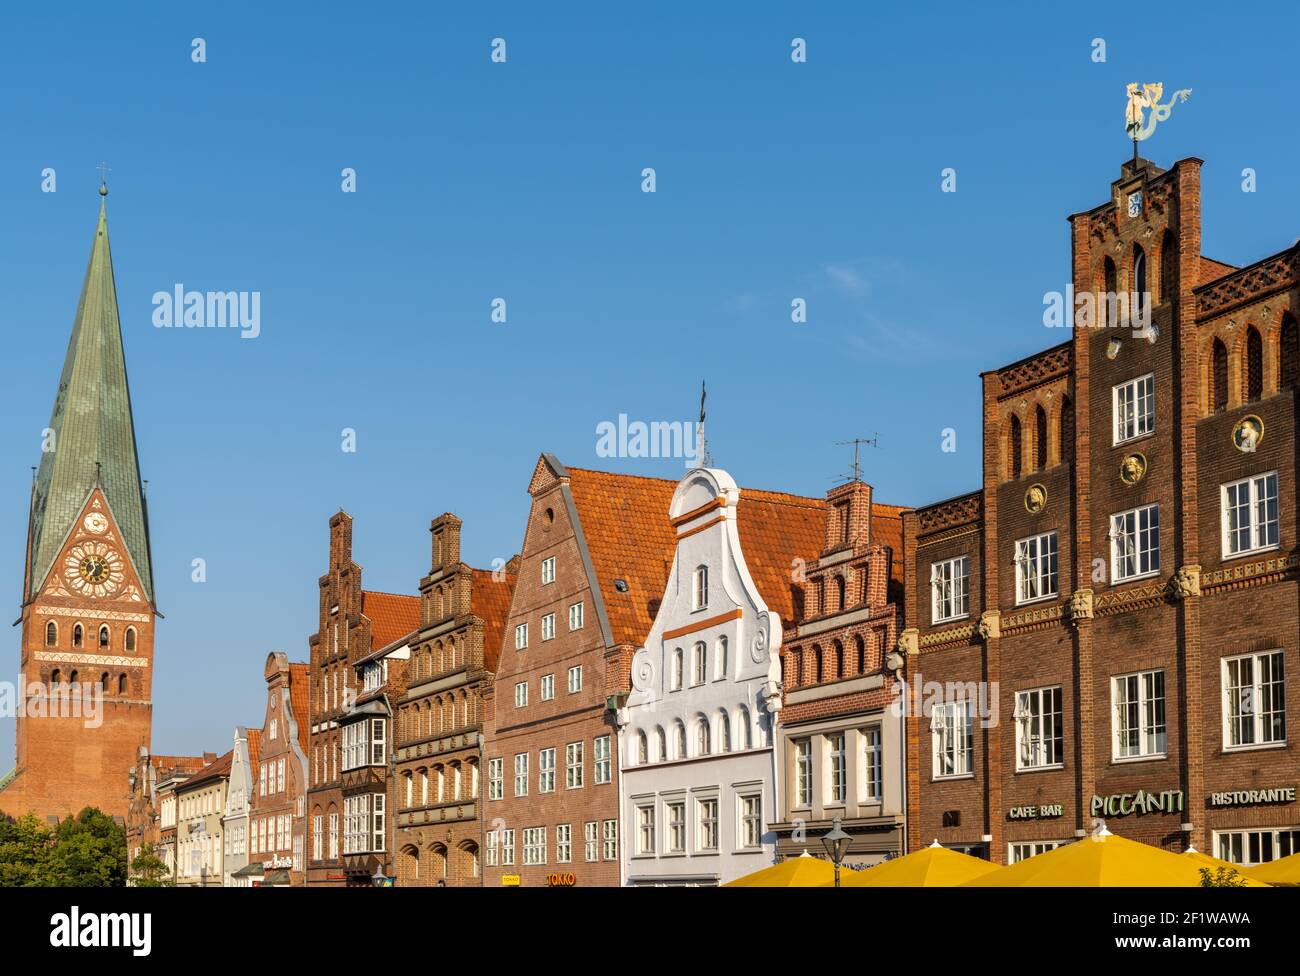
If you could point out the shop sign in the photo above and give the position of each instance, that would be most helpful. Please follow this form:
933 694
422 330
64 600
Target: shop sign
510 880
1140 803
1044 811
1253 798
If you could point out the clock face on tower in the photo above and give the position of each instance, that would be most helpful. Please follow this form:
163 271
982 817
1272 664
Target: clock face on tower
93 569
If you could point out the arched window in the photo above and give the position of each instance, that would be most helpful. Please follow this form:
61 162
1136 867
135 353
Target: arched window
1040 438
700 588
839 660
1067 429
744 733
72 678
1015 447
724 732
102 683
642 748
679 737
676 677
130 638
1142 294
51 634
661 744
1289 354
76 635
720 658
1218 377
103 635
1110 282
1168 269
839 592
703 745
1254 364
861 648
819 673
56 676
699 662
797 676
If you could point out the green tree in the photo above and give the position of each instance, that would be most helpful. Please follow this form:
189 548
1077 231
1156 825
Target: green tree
1222 878
25 846
89 851
148 870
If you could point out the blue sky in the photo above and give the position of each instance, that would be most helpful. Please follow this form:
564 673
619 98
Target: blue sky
522 180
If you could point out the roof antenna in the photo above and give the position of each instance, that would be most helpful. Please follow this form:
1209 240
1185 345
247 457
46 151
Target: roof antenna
855 473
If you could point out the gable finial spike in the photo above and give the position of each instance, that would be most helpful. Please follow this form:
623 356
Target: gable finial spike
103 178
702 446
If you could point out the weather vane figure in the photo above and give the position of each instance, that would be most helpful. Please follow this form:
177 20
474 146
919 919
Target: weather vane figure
1144 110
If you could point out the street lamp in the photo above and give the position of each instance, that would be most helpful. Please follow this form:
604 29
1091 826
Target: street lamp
837 846
379 879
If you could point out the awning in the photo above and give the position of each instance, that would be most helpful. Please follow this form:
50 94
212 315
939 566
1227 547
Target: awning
252 870
279 876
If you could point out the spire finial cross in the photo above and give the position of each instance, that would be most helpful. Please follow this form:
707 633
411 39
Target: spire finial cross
103 173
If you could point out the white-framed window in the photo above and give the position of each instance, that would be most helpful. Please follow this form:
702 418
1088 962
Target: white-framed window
1135 543
364 744
873 764
699 663
521 774
706 824
679 739
1040 730
642 748
1036 567
703 740
575 679
1250 515
803 777
548 687
548 570
645 829
838 784
1251 847
334 836
521 694
492 840
521 636
609 840
1139 722
534 845
591 840
678 669
603 760
317 837
1023 851
279 765
1134 408
949 589
675 816
546 770
700 588
563 843
261 779
508 846
575 616
1254 700
548 627
573 765
496 778
952 734
720 658
275 724
363 823
751 820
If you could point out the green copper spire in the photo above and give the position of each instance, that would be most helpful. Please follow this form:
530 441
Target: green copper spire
94 437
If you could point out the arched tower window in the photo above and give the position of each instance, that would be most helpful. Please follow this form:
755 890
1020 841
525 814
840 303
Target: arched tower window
102 684
1289 354
130 638
839 660
1110 282
1040 438
1218 377
1142 296
839 592
77 635
51 634
121 684
1254 364
1014 448
103 635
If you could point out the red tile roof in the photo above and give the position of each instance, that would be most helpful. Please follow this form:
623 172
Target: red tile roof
887 530
625 522
254 746
490 601
1211 269
392 616
214 770
299 679
183 764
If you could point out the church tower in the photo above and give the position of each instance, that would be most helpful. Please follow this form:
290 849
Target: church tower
88 598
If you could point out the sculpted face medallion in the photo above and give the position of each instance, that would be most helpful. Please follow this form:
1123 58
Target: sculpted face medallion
1133 468
1248 433
1035 499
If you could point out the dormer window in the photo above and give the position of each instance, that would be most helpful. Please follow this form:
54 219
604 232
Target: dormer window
700 588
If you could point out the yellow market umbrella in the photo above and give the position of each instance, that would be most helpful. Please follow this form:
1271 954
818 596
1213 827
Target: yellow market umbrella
1283 871
1213 863
804 871
931 867
1100 860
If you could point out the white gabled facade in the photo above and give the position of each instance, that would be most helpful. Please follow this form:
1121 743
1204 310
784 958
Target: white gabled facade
696 733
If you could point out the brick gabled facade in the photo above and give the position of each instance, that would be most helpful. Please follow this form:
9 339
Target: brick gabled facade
277 819
143 820
1103 617
352 624
840 748
438 730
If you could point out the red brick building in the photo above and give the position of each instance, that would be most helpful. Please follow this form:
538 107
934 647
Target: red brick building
840 748
352 623
143 819
439 727
88 608
1106 629
277 819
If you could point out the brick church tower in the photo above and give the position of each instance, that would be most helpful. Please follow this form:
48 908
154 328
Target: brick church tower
88 599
